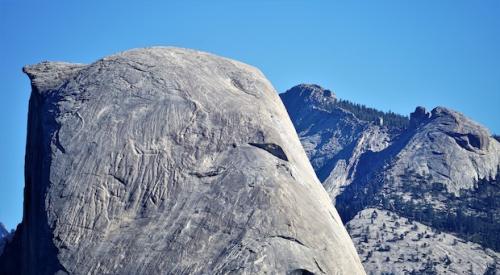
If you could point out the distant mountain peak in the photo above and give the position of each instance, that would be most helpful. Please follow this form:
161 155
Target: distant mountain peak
305 97
311 95
4 237
3 231
312 90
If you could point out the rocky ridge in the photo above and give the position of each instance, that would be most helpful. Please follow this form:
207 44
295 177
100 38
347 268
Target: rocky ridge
329 133
442 170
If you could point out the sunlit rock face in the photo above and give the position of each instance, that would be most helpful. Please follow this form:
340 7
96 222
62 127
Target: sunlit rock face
442 170
169 161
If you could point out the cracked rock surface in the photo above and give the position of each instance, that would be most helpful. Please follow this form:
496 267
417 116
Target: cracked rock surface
171 161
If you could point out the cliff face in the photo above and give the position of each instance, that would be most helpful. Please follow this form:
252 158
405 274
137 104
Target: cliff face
329 133
442 170
166 160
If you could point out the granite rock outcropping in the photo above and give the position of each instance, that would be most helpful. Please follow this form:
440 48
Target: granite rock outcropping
171 161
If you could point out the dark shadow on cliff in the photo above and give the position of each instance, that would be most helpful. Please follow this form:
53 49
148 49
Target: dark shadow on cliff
32 250
369 178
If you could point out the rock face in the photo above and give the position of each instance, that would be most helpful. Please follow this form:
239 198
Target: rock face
418 117
327 132
442 170
167 160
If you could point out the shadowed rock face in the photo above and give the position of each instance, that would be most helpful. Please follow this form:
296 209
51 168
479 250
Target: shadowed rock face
333 138
418 117
166 160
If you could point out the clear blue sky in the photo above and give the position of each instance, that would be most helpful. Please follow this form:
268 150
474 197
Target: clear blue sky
392 55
